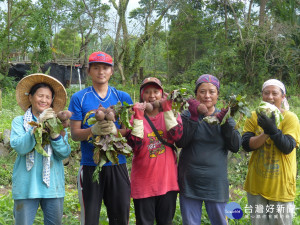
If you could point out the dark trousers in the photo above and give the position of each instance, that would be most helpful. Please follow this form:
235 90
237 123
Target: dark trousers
113 189
160 208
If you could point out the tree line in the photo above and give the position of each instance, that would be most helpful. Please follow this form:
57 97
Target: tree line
236 40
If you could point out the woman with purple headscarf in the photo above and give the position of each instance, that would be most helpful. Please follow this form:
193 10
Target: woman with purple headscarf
202 169
272 169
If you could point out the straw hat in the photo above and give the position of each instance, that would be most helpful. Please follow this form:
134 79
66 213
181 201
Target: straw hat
24 86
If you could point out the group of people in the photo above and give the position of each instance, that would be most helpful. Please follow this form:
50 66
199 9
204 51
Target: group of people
157 176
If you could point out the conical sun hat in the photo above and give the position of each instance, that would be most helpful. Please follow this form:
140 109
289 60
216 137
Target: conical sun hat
24 86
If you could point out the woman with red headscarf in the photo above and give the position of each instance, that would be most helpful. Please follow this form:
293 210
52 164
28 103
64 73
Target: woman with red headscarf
154 186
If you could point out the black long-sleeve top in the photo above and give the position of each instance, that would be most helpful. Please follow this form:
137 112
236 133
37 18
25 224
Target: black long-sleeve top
202 171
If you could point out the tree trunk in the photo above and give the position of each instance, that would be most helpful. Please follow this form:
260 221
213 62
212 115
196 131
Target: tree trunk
71 72
126 58
0 99
249 12
9 8
226 22
236 21
122 59
262 12
143 39
118 57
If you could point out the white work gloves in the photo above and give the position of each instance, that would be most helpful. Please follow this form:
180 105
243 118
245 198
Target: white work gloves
138 124
45 115
170 119
104 127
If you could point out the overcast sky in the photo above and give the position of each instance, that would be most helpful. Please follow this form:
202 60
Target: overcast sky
131 5
132 25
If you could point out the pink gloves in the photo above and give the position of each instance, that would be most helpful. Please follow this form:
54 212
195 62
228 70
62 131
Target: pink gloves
139 110
221 114
193 105
166 105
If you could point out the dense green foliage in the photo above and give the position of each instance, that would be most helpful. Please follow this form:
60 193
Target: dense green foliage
176 39
208 41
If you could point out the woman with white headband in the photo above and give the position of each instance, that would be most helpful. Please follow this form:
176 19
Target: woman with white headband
272 169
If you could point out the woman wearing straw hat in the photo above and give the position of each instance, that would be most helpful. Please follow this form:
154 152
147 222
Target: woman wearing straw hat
272 169
38 180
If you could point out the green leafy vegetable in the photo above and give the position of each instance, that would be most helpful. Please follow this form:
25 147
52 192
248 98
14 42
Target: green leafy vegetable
42 133
92 121
54 125
268 109
39 137
107 148
179 100
236 104
123 113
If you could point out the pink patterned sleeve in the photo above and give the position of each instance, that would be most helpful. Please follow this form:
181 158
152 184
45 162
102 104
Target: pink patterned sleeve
176 132
134 142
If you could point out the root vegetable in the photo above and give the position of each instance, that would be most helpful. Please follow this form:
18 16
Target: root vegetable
43 130
101 108
64 115
66 123
110 116
110 109
99 115
156 104
149 107
202 109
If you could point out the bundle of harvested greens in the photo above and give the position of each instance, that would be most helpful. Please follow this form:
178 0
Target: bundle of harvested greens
108 147
268 109
179 100
236 104
53 125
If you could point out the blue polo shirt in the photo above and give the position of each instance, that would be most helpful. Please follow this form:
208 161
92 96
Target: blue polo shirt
86 100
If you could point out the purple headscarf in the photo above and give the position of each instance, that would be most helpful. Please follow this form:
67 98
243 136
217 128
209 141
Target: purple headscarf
207 78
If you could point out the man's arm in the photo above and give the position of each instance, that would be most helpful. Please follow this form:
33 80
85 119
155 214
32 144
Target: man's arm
77 133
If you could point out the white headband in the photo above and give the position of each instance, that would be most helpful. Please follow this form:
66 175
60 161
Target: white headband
279 84
275 83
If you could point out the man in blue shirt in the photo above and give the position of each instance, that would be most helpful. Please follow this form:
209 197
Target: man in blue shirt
114 185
